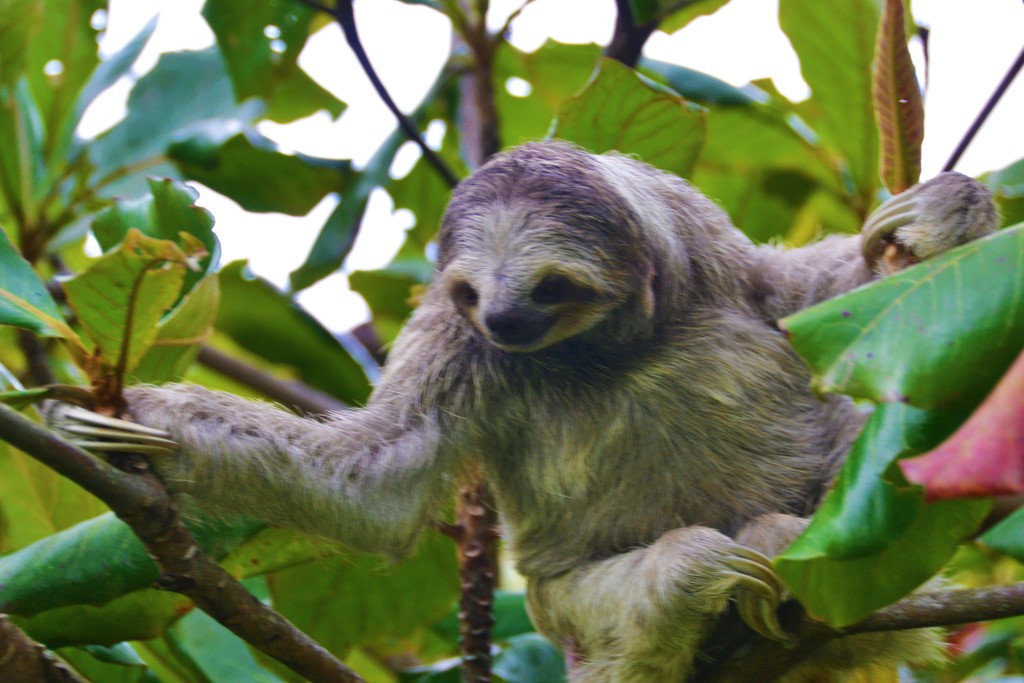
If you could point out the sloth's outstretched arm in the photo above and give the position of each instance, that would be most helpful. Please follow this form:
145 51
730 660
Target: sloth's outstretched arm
368 477
949 210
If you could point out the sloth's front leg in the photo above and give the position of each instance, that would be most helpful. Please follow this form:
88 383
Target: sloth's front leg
641 615
949 210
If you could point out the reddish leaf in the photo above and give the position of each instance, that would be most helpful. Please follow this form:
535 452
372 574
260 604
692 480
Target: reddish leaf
985 457
898 106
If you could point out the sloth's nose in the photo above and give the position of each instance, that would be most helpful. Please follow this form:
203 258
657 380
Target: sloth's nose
517 325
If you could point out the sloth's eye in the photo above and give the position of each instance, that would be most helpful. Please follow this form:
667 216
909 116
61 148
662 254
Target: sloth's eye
554 289
464 295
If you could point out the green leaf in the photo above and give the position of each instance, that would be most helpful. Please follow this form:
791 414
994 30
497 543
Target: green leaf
937 335
24 299
876 538
268 323
136 616
35 502
696 85
1007 536
94 562
180 334
122 297
1007 185
20 22
339 232
555 72
261 42
343 601
218 652
249 169
898 104
117 664
166 212
389 292
682 12
835 42
620 110
530 657
271 550
183 91
22 165
105 75
67 39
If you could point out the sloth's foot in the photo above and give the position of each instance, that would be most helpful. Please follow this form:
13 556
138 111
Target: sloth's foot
102 435
926 220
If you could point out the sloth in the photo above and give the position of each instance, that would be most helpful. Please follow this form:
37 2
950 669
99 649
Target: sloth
601 340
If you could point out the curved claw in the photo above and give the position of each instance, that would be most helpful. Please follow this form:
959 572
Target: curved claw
101 434
892 214
758 592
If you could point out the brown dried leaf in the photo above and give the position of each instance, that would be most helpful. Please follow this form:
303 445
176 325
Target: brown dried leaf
898 106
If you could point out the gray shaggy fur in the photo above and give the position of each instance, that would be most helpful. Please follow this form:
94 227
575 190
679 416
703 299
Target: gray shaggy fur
601 339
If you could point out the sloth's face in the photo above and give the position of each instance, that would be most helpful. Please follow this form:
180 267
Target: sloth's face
526 281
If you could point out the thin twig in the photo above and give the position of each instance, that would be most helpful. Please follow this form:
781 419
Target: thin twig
297 395
343 14
141 501
985 111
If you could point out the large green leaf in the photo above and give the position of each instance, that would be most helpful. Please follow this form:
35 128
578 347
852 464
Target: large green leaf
261 42
390 293
268 323
937 335
620 110
354 599
218 652
835 42
249 169
96 561
554 72
875 537
183 90
24 299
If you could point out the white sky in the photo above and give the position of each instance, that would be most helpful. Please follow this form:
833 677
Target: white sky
971 47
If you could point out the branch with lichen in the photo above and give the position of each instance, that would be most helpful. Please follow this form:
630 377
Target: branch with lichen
139 499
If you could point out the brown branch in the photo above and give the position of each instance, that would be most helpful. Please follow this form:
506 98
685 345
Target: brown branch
477 577
629 37
39 370
755 658
22 660
298 395
141 501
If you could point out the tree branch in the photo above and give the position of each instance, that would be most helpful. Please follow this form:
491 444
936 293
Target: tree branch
291 394
628 39
750 657
141 501
23 660
344 15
